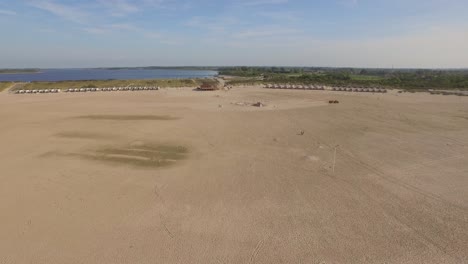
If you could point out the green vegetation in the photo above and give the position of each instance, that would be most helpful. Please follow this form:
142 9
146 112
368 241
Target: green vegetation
402 78
115 83
258 71
208 81
191 68
5 85
245 81
356 77
15 71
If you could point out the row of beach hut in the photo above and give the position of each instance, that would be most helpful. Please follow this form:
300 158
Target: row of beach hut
38 91
294 86
360 90
83 90
111 89
445 92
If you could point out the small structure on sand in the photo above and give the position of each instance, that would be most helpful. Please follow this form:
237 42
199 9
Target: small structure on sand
208 87
258 104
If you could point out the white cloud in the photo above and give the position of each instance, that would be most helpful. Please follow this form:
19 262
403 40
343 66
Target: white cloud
166 39
96 30
277 32
349 3
66 12
7 12
285 16
264 2
120 7
442 47
111 28
148 34
212 24
83 12
46 30
155 3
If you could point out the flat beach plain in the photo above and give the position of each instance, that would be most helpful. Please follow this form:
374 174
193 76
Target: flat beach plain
178 176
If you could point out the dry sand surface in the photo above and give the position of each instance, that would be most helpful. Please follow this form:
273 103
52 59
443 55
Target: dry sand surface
178 176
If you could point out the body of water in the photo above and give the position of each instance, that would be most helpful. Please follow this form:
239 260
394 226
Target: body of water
53 75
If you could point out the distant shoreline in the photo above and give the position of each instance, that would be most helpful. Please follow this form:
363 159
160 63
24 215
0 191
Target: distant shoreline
15 71
181 68
30 75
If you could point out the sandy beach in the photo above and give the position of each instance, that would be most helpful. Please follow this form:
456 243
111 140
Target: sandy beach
179 176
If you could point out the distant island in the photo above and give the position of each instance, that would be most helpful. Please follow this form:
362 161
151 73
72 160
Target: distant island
19 71
188 68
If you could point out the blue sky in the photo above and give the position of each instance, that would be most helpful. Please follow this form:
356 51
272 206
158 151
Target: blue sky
355 33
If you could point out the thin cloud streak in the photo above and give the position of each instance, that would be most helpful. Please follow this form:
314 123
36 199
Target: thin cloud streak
7 12
111 28
66 12
119 7
264 2
278 32
213 24
280 16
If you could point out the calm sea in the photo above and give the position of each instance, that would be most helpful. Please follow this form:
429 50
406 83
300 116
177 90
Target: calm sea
105 74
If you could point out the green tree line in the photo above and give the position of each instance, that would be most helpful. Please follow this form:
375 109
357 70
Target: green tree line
405 79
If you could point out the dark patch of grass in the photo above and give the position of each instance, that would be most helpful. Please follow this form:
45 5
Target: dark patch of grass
81 135
142 155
